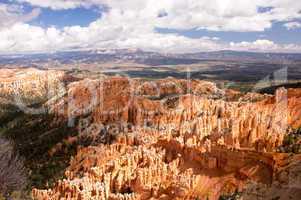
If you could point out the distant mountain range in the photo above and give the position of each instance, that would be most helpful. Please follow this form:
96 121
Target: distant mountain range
143 57
243 55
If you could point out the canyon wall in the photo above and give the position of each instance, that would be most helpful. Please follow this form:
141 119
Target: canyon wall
170 139
176 139
30 86
194 107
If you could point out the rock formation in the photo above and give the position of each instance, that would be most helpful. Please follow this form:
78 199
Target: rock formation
176 139
30 86
198 108
173 139
154 165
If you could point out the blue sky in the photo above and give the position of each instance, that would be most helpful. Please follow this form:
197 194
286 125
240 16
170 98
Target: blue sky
171 26
84 16
62 18
277 33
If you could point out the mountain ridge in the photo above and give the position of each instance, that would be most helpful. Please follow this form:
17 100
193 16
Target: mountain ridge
146 57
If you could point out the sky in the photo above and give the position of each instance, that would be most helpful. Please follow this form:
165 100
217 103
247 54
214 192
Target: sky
168 26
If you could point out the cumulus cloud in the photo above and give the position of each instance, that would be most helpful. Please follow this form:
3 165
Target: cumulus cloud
215 15
27 38
264 46
258 45
11 14
133 23
60 4
292 25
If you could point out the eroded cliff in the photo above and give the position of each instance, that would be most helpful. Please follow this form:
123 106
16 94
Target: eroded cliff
165 139
175 139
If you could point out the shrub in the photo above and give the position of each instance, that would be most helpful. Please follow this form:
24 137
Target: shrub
235 196
12 171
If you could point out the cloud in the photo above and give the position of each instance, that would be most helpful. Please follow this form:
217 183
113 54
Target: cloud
57 4
11 14
24 38
214 15
292 25
258 45
133 23
264 46
27 38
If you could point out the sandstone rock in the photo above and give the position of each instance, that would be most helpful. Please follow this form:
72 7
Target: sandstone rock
176 139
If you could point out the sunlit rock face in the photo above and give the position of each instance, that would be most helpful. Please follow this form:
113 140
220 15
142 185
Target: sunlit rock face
154 165
173 139
30 86
195 108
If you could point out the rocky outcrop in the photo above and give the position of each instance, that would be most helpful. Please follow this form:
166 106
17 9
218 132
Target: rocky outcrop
154 165
30 86
200 110
181 145
287 185
174 139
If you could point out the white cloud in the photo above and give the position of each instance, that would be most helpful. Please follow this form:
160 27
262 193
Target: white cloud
11 14
56 4
264 46
292 25
132 23
258 45
216 15
27 38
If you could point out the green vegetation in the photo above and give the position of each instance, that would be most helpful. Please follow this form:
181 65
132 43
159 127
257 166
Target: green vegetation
291 142
32 137
243 87
235 196
12 172
17 195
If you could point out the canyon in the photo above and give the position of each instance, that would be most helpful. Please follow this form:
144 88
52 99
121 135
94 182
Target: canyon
168 138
